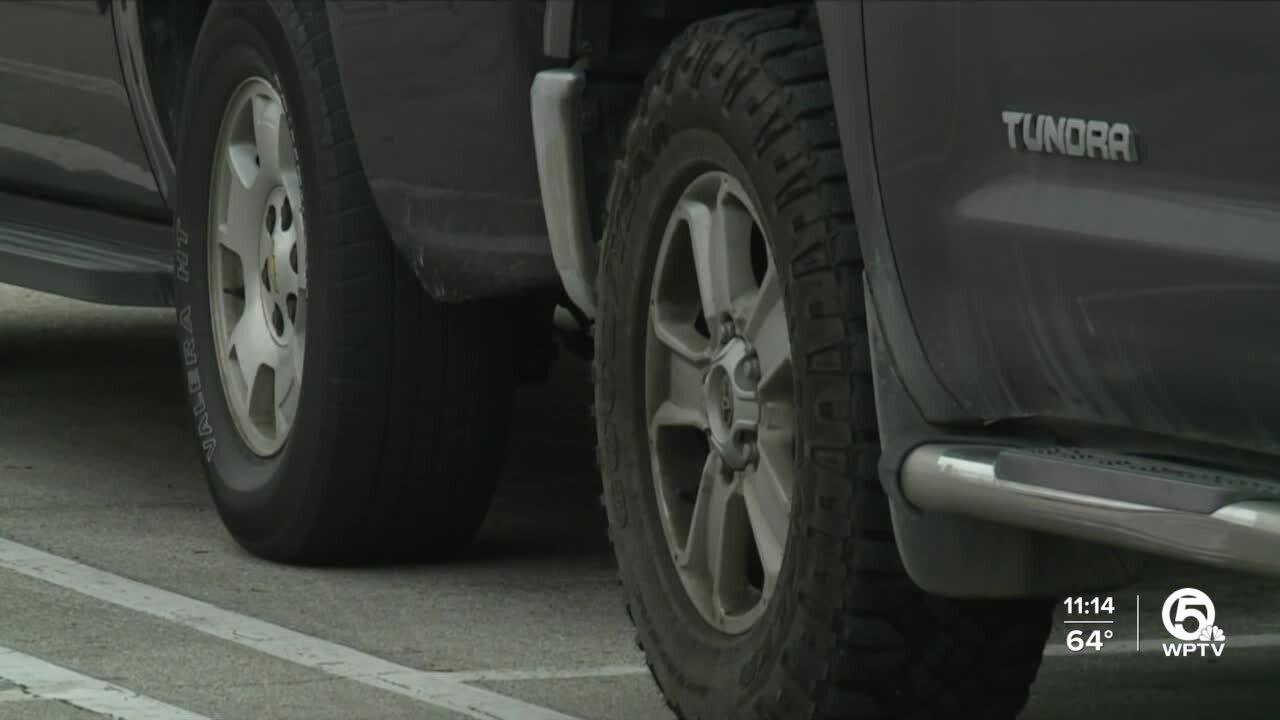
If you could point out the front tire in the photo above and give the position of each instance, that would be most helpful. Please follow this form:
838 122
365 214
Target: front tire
732 166
341 413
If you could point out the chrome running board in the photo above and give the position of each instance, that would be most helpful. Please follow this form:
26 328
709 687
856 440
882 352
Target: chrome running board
1168 509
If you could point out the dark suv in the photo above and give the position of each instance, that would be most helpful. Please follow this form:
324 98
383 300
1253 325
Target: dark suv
909 319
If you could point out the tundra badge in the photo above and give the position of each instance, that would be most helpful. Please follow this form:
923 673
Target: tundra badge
1070 136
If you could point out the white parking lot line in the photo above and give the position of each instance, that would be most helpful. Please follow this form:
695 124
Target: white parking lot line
41 680
441 690
602 671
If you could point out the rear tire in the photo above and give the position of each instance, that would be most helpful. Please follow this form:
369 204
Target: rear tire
396 441
845 633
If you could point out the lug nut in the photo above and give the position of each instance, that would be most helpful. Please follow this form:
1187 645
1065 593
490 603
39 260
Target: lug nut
726 328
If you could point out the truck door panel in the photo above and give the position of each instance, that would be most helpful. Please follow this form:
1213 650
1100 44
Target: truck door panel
1086 289
67 131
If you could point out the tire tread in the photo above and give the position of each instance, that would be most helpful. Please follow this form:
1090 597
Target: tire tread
867 643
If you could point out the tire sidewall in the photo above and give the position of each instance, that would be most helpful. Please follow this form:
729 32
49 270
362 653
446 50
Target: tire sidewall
238 41
717 675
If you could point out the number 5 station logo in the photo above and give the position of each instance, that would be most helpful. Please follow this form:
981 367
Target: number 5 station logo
1189 616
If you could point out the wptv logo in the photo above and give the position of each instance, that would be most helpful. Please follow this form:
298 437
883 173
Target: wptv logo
1189 616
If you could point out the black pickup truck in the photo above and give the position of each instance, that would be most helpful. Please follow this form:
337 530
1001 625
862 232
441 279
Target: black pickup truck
909 319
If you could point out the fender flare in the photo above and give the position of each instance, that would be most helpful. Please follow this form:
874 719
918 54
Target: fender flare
846 65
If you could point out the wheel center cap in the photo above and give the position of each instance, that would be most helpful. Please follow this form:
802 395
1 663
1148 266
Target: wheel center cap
733 411
273 276
273 296
725 391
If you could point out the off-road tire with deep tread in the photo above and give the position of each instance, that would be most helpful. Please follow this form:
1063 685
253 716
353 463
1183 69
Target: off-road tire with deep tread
847 634
402 422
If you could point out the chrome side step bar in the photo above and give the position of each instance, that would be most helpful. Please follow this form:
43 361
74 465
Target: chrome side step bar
557 142
1214 518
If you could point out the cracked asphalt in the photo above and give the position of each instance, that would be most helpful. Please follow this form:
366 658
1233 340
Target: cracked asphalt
98 474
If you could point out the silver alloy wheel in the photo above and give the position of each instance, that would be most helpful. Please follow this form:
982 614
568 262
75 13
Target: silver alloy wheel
720 403
257 266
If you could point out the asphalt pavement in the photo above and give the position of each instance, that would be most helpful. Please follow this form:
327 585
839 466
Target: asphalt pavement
122 596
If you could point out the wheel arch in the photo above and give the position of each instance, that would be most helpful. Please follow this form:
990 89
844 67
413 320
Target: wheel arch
466 235
618 42
447 148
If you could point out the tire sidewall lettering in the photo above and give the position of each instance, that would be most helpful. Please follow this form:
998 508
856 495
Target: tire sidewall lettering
195 386
181 254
